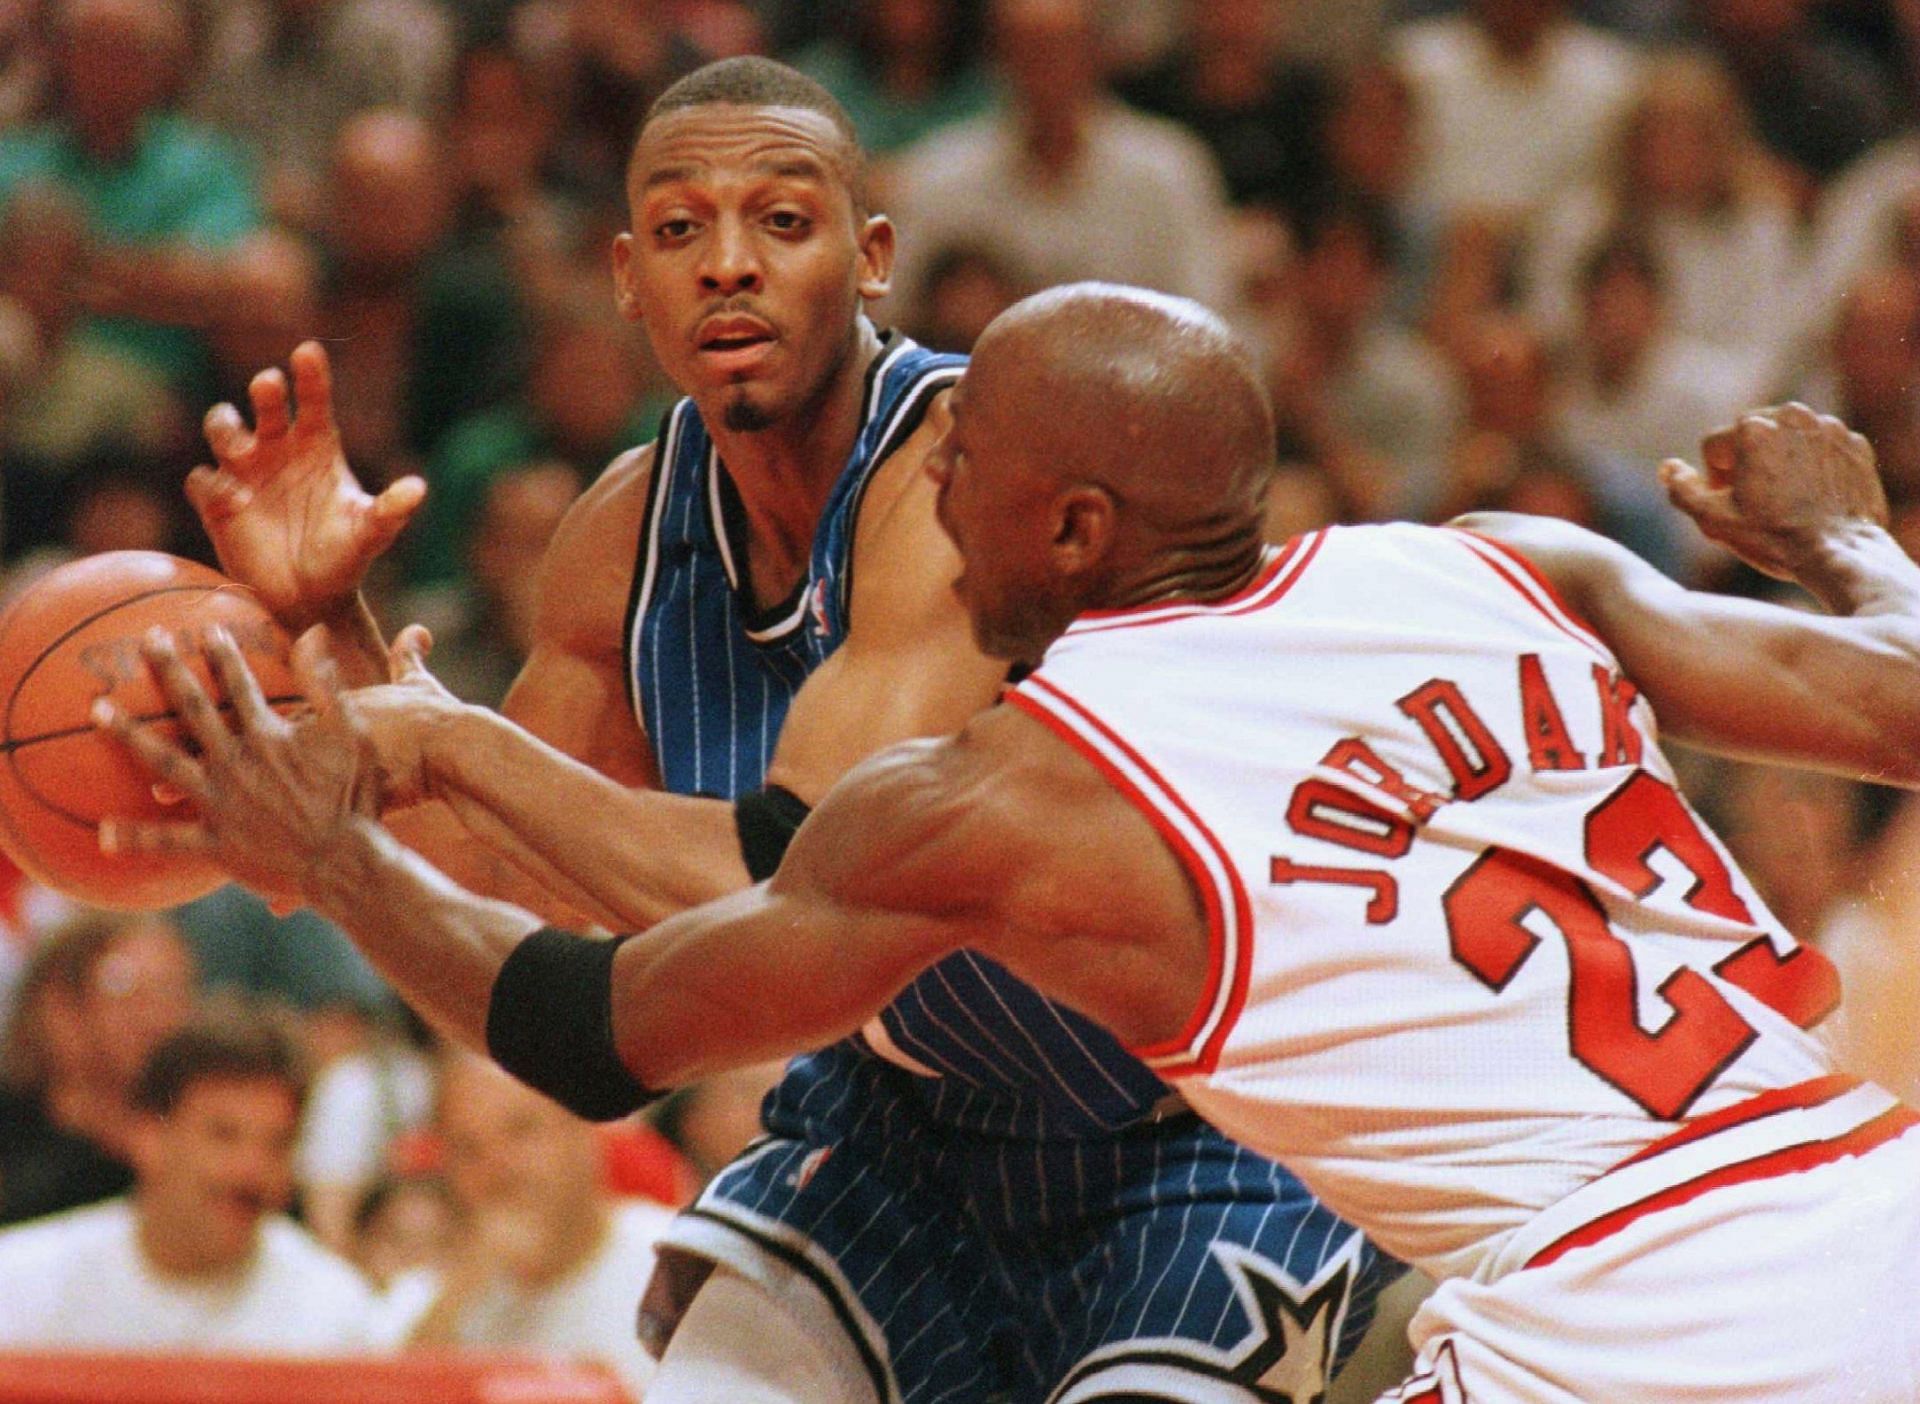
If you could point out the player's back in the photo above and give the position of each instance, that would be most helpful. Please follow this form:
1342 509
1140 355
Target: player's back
1473 948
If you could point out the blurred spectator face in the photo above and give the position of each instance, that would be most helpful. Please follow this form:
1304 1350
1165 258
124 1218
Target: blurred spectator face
43 242
141 991
747 276
1341 279
518 517
1545 491
910 26
1683 136
122 514
388 194
1516 26
1507 377
1877 345
1047 51
1370 133
409 1225
213 1167
1753 22
585 382
1240 26
273 305
501 127
964 292
118 60
1623 314
624 36
510 1149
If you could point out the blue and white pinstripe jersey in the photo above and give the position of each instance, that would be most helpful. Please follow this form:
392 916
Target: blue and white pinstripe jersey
978 1183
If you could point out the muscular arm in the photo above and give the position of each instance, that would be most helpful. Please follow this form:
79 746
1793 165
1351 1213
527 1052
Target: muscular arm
908 668
990 839
1796 495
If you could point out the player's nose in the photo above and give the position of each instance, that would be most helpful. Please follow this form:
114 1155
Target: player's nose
732 263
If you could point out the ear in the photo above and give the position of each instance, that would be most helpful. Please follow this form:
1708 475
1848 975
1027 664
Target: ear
1085 518
876 258
624 295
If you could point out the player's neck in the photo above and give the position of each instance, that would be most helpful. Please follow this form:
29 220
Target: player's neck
785 474
1190 575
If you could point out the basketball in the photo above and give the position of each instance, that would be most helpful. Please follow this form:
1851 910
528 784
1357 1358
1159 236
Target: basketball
72 636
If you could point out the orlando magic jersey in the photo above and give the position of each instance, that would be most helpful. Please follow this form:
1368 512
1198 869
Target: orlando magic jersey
712 676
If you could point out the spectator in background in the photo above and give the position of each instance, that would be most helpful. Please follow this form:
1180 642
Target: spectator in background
25 68
1634 385
1689 177
403 1224
1516 104
1816 103
1367 150
482 625
1873 375
285 76
198 1257
363 1102
1066 182
545 1259
965 287
590 396
162 199
99 994
903 70
1355 394
1259 114
428 329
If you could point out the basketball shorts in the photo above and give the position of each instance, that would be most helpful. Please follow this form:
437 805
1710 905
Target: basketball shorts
1775 1260
1160 1262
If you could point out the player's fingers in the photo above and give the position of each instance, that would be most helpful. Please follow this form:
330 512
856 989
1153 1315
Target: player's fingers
226 434
216 496
314 669
1794 415
394 508
238 683
1688 489
1719 455
407 654
185 695
268 391
119 836
172 766
313 388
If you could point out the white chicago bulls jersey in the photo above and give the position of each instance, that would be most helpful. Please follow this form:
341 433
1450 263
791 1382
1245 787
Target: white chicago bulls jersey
1472 950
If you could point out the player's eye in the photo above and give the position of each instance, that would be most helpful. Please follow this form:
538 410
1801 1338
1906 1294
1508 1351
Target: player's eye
672 230
788 222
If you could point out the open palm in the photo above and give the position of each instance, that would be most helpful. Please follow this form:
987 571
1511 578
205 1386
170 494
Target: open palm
285 512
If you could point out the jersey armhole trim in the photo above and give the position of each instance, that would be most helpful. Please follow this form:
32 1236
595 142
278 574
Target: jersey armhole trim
647 562
1195 1051
1527 579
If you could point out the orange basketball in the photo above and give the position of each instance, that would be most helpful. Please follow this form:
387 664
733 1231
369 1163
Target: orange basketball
72 636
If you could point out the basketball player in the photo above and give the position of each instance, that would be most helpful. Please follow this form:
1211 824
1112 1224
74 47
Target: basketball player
737 614
1367 843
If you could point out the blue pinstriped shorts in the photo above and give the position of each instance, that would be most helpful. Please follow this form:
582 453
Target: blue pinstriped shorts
1159 1262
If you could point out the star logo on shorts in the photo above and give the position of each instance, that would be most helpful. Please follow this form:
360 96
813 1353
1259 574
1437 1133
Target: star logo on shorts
1285 1357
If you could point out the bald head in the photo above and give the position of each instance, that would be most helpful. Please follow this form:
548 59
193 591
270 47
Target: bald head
390 200
1151 396
1109 447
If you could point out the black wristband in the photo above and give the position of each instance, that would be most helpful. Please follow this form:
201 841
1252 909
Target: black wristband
766 822
550 1024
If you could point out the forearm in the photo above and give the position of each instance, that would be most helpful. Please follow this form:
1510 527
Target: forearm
359 649
480 853
631 856
440 946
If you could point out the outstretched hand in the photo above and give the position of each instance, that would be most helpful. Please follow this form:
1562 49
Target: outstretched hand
285 512
1776 486
273 795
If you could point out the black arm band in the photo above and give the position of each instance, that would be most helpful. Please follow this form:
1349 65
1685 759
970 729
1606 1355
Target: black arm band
766 821
550 1024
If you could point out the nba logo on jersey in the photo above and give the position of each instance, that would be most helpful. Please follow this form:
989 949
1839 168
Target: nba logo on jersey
808 1168
817 608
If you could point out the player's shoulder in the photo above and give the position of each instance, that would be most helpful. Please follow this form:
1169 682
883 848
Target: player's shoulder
607 515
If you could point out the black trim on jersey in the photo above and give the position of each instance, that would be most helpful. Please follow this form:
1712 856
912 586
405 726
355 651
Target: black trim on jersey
800 1263
643 554
915 403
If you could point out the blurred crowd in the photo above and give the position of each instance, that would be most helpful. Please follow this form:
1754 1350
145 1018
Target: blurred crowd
1493 253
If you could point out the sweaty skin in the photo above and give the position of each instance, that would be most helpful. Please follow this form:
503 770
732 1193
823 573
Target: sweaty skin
750 258
991 839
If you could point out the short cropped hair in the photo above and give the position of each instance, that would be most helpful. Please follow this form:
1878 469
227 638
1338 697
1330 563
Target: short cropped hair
752 81
231 1043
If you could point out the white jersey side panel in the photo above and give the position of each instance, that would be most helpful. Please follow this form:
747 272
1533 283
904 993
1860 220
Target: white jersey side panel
1472 949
